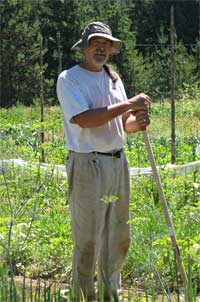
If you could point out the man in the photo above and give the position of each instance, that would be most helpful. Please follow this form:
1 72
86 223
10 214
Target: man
96 112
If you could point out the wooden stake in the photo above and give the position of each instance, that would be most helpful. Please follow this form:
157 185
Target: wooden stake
59 53
165 209
42 158
173 130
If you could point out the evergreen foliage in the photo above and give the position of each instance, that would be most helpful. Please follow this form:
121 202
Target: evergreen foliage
143 26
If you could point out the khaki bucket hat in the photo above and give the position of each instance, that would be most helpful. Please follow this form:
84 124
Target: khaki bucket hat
97 29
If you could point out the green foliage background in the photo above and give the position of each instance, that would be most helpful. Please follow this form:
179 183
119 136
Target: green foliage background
143 26
35 230
35 227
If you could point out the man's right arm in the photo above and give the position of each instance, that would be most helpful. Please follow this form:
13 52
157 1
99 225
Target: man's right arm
97 117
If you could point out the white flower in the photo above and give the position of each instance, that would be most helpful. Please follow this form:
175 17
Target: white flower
109 198
197 149
196 248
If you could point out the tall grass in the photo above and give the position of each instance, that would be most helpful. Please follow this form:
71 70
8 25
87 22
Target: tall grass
35 228
35 234
20 134
39 290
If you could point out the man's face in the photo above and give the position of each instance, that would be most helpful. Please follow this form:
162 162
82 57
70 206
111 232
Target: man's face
98 51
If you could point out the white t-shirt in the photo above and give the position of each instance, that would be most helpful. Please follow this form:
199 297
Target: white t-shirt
79 90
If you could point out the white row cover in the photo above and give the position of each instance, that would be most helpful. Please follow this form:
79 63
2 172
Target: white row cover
134 172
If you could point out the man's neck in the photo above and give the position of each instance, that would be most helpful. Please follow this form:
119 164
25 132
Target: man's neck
91 67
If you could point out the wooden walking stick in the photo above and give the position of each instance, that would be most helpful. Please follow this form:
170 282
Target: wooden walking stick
165 208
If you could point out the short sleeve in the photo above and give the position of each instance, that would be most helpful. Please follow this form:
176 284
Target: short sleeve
70 96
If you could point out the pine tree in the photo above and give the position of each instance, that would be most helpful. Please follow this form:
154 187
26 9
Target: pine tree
19 52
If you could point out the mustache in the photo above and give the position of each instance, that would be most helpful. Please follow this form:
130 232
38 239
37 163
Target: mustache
100 50
102 53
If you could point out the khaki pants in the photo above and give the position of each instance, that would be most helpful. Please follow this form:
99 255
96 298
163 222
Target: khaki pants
98 190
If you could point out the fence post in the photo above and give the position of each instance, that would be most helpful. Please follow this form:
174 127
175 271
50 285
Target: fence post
199 47
59 53
173 130
0 68
42 158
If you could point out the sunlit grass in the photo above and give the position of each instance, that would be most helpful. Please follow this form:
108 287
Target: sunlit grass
41 241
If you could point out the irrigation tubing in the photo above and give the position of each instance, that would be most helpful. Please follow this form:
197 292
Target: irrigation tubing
165 208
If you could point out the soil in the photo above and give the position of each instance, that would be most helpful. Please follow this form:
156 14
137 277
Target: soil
124 293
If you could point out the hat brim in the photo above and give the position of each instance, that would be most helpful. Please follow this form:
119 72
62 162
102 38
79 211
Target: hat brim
116 43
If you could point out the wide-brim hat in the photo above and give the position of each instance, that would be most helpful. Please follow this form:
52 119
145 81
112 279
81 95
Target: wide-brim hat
97 29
